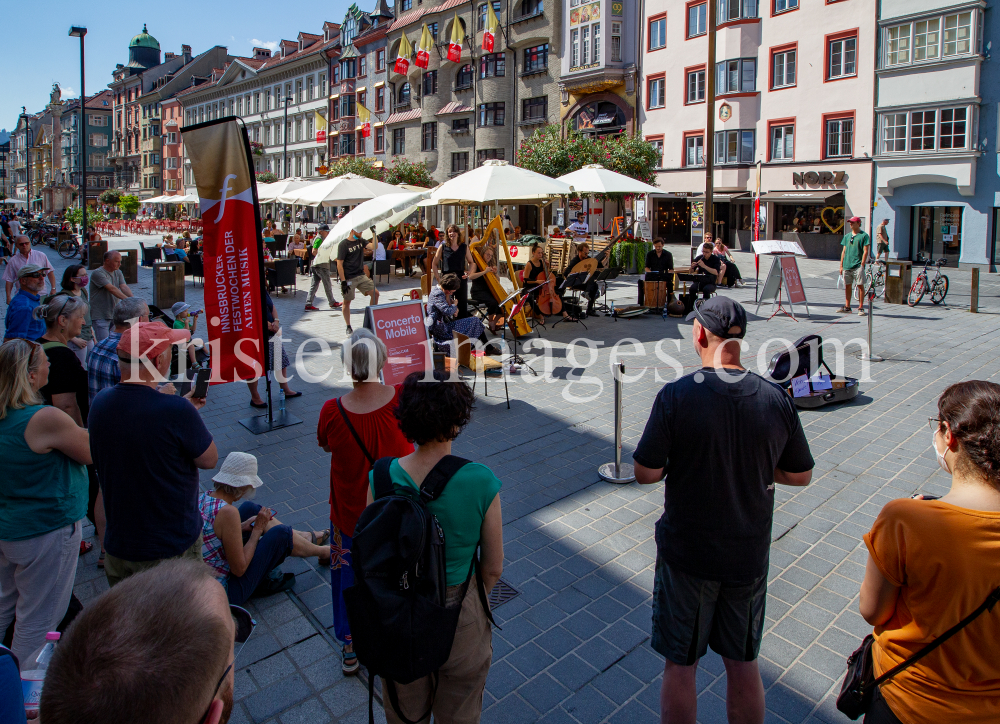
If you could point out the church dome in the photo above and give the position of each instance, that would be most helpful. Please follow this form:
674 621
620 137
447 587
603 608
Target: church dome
143 52
144 40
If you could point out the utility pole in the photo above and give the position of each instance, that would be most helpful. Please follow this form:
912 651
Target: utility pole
708 151
81 134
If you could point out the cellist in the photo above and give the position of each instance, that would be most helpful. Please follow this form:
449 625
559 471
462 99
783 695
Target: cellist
536 273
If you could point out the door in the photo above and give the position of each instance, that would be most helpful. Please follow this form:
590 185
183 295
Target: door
937 234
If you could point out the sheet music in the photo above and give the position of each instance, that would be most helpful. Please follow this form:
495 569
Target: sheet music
777 246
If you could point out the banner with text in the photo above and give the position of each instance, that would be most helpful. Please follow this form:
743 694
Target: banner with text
220 160
403 328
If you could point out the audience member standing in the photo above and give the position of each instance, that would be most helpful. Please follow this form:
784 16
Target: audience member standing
148 448
107 287
74 282
713 539
931 563
20 321
368 411
64 316
43 499
26 255
103 370
432 414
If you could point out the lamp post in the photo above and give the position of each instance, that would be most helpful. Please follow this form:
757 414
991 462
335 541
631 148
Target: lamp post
27 158
75 32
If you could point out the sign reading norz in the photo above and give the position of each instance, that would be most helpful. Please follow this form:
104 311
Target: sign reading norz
819 178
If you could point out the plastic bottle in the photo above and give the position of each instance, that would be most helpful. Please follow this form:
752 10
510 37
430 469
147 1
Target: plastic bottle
281 400
33 679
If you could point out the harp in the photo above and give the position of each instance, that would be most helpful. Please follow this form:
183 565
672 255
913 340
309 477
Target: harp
495 231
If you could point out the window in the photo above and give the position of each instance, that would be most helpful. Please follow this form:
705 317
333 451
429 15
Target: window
298 91
429 137
658 33
99 121
841 56
97 160
585 46
730 10
405 5
361 98
657 143
922 130
531 7
98 140
380 139
574 59
171 138
487 154
267 99
348 68
782 142
616 41
781 6
953 128
398 141
463 79
363 65
380 60
783 69
310 91
481 24
403 97
697 20
957 34
492 65
430 86
460 162
298 129
839 137
736 76
943 129
657 96
322 85
380 99
347 144
734 147
171 162
535 109
694 150
348 105
491 114
536 58
433 27
696 86
898 45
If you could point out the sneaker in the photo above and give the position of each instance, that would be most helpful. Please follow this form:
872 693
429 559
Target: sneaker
335 305
350 329
311 308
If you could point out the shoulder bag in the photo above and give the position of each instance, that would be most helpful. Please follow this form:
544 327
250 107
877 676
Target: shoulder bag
859 684
357 438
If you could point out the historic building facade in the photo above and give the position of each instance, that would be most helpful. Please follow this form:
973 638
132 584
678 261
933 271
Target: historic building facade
97 139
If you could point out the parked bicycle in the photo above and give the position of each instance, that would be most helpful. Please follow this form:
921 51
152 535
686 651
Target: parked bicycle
938 286
42 234
875 278
68 248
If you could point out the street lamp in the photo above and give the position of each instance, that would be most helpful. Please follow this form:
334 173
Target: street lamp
27 157
75 32
284 138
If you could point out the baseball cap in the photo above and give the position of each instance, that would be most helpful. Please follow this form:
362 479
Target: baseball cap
179 308
720 314
151 338
323 227
28 269
854 220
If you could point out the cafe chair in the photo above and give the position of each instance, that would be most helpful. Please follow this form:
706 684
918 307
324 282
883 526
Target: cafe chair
149 256
283 275
383 267
197 268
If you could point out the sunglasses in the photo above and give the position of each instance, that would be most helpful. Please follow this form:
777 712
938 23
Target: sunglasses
33 275
245 624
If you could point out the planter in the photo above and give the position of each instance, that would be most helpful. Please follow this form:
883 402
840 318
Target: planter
630 255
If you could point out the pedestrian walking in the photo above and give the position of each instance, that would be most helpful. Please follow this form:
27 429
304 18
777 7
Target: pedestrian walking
321 271
351 270
882 240
722 436
853 257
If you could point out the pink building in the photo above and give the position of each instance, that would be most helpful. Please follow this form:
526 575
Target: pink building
795 93
173 147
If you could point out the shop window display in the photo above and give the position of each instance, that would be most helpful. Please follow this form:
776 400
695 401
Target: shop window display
811 219
937 233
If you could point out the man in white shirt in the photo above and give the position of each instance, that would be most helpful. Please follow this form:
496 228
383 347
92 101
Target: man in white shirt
15 227
579 228
24 254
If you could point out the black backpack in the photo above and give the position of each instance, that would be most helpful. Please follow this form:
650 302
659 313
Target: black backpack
400 625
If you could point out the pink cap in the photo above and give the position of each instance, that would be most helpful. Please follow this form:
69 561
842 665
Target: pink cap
150 339
53 636
854 220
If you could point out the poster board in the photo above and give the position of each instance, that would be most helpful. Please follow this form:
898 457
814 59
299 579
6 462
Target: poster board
784 277
402 326
645 231
793 282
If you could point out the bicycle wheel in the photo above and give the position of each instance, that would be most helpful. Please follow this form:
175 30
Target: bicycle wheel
940 290
68 249
880 283
917 291
36 238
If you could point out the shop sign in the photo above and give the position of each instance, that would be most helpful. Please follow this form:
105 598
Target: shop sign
725 112
818 178
617 8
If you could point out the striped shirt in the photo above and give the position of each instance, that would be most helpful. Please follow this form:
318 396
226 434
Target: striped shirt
211 547
102 365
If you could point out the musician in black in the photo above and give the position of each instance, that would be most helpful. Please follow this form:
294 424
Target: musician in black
590 289
709 270
454 257
658 262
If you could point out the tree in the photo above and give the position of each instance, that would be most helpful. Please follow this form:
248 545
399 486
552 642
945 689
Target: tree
74 216
110 197
266 177
550 153
357 165
128 204
404 171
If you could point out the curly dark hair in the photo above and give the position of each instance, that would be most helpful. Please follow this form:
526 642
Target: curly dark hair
449 282
972 411
434 411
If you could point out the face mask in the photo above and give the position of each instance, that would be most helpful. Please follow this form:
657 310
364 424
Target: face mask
940 458
81 280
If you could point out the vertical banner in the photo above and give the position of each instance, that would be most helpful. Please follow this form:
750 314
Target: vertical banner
457 38
424 48
365 119
320 128
220 159
403 58
490 33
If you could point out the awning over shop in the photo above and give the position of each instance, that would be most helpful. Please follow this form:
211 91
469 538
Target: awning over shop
795 197
724 195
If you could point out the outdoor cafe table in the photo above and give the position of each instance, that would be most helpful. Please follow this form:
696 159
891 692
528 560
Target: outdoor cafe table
408 255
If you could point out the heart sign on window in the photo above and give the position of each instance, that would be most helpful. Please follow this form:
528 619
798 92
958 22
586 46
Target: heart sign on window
833 210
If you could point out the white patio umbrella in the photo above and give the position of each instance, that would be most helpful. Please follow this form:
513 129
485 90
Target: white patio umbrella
496 181
595 179
266 193
338 191
380 212
155 200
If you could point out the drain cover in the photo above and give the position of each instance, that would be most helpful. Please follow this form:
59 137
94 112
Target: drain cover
501 593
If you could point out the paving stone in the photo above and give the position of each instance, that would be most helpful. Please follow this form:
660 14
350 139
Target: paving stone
589 706
617 684
572 672
347 694
271 669
277 697
543 692
311 711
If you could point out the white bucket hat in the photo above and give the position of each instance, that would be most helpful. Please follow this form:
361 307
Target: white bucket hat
238 471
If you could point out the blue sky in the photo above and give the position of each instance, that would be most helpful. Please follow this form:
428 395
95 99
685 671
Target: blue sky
37 38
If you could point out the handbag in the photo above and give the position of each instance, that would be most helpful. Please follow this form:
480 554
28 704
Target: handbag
859 684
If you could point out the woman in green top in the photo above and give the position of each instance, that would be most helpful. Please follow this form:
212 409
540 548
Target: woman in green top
74 283
43 498
431 415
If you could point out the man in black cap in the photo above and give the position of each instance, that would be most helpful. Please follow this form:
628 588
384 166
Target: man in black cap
723 437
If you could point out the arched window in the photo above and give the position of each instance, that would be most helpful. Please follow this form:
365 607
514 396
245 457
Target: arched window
464 77
403 98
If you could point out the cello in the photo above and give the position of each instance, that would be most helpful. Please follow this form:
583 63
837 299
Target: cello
547 300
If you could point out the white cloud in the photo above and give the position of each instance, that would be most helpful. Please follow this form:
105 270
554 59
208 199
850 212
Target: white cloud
68 91
271 45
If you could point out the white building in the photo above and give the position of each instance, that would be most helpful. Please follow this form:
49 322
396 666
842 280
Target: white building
795 88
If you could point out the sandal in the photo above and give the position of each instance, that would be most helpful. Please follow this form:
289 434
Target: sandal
100 560
350 662
844 310
321 539
861 312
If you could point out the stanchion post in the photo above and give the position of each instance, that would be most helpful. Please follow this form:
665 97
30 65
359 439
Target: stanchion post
617 471
868 356
974 305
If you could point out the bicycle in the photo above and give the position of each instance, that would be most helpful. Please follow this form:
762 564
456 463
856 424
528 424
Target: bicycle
938 286
68 248
875 278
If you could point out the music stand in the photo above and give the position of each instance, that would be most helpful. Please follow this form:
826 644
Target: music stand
576 282
515 358
603 277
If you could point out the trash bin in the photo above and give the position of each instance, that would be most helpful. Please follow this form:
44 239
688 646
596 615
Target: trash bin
168 283
898 280
95 254
130 264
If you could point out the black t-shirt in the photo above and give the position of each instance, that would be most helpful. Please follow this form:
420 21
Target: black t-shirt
711 260
661 263
144 444
720 443
352 253
66 374
454 261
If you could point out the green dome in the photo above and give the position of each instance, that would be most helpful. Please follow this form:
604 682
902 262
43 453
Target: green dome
144 40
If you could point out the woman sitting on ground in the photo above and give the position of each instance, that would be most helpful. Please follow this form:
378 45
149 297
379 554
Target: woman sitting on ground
931 563
444 312
245 545
432 415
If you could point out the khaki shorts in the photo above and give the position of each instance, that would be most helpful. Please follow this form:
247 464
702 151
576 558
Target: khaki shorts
118 569
362 284
854 278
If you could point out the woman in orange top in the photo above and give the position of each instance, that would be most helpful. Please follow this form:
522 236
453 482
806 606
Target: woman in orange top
931 563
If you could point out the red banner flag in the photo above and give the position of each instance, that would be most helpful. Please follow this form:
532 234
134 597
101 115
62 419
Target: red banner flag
403 59
424 48
220 159
490 32
457 38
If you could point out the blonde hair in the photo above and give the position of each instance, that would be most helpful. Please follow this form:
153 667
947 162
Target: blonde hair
63 305
18 359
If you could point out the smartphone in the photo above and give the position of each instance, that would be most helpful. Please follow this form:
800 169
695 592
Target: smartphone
201 383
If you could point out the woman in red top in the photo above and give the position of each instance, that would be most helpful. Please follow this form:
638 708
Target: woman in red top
362 427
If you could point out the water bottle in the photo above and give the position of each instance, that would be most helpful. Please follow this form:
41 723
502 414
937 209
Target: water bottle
612 307
33 679
281 400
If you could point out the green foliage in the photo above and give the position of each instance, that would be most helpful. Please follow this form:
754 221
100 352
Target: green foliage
75 216
110 197
266 177
547 152
404 171
128 204
630 254
358 165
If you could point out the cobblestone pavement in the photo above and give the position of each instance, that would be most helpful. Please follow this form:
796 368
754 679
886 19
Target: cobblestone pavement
574 644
